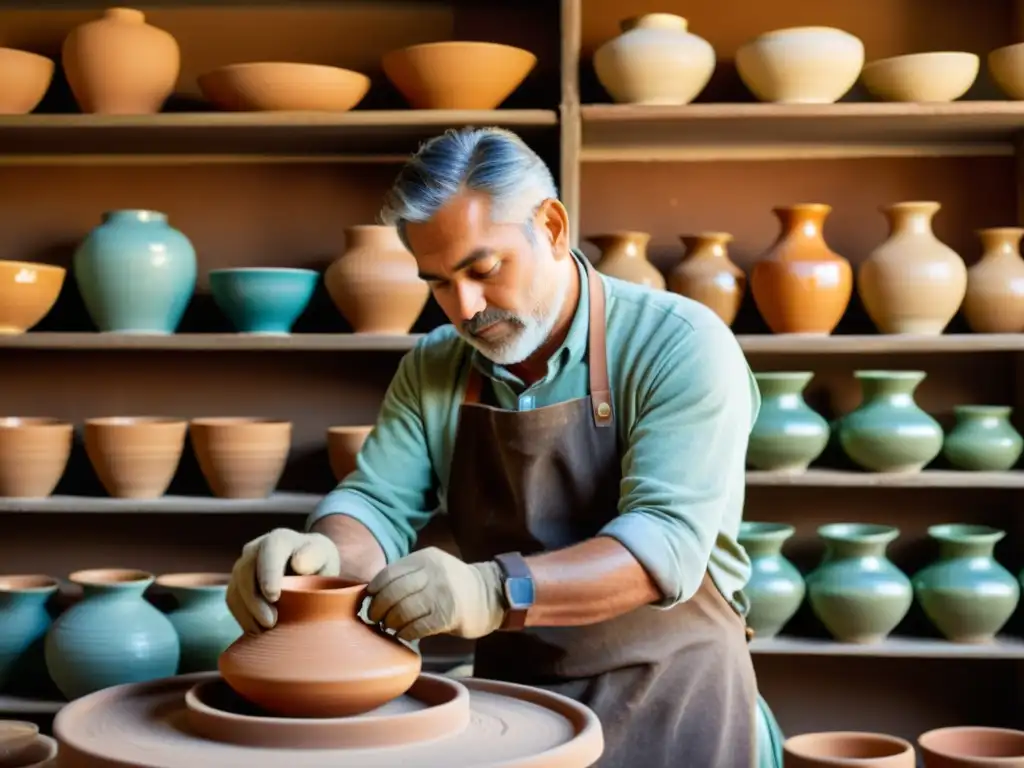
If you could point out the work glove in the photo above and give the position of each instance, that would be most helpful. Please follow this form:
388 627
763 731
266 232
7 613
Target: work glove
257 575
431 592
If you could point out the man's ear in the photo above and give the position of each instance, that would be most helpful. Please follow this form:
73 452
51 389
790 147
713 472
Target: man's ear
552 221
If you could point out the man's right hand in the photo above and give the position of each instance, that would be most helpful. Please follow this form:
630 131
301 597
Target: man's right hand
257 575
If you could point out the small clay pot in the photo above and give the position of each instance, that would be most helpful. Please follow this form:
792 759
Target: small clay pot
241 457
971 746
16 736
848 748
33 455
135 457
343 445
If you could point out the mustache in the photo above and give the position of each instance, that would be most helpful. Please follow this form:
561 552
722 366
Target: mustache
488 317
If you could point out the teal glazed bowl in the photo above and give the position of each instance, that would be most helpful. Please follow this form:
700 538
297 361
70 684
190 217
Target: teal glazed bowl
264 300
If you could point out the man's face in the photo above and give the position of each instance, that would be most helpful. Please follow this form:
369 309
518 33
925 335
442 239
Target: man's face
501 285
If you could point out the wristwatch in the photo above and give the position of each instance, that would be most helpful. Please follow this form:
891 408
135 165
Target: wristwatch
519 589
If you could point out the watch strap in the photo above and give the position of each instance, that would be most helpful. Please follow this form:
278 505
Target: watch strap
514 567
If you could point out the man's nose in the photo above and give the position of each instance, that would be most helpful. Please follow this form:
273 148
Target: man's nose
471 299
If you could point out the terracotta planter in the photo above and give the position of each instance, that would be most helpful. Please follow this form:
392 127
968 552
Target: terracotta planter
706 274
120 65
241 458
296 669
24 79
135 457
375 283
800 285
913 282
848 748
624 256
343 445
972 746
33 455
994 301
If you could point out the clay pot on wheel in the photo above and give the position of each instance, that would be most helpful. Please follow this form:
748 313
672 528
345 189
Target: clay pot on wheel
343 446
33 455
839 748
241 458
135 457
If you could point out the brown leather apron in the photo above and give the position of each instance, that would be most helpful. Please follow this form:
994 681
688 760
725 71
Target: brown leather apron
673 688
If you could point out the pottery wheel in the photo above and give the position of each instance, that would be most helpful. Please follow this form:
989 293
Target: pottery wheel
195 720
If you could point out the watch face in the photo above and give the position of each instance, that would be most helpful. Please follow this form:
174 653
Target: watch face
520 592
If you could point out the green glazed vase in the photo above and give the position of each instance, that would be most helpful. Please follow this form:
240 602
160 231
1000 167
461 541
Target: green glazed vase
966 593
787 435
776 588
888 432
983 439
856 591
201 618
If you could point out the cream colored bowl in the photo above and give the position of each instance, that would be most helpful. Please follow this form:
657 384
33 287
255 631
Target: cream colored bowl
1006 65
937 76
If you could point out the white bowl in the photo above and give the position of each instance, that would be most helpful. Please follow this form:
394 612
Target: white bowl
1006 65
937 76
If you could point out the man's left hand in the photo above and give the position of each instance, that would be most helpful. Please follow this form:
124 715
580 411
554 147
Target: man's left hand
431 592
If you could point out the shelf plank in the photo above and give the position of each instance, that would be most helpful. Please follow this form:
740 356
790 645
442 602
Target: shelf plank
892 647
704 132
932 478
20 705
278 503
881 343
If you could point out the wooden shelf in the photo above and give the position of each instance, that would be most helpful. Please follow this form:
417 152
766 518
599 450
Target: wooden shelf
892 647
278 503
881 344
932 478
704 132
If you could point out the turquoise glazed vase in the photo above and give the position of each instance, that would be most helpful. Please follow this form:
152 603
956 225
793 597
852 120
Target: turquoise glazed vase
966 593
24 620
856 592
888 432
776 588
136 273
983 439
112 636
202 620
263 300
787 435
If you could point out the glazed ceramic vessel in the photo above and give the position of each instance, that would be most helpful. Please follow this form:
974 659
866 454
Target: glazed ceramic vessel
966 593
28 292
343 446
994 300
913 282
983 439
241 457
375 283
112 636
34 453
135 457
296 669
264 301
24 79
118 64
655 60
787 435
136 273
972 746
856 591
848 748
800 285
706 274
624 256
201 618
24 620
888 431
775 589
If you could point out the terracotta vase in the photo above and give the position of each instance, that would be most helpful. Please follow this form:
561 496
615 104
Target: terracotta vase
972 746
33 455
135 457
120 65
624 256
375 283
848 748
343 446
706 274
913 282
320 659
994 301
241 458
800 285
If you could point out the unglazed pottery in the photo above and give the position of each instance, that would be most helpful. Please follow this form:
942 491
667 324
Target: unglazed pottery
888 432
295 669
787 434
283 86
936 76
1006 65
706 274
800 285
624 255
983 439
375 283
775 589
913 282
966 593
972 746
28 292
801 65
994 301
119 64
112 636
15 737
457 74
263 300
856 591
34 453
136 273
848 748
241 457
655 60
343 446
201 618
24 79
24 620
135 457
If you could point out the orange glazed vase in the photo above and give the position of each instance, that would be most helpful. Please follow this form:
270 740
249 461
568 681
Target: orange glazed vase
624 256
995 283
800 285
320 659
706 274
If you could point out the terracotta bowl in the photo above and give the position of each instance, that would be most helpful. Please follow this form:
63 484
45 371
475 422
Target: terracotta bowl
241 457
457 75
974 746
27 291
839 748
283 86
33 455
24 79
1006 65
939 76
343 445
135 457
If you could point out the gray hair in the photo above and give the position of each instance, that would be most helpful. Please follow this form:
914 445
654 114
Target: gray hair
490 160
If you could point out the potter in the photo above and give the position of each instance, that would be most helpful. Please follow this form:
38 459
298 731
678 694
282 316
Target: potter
585 438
